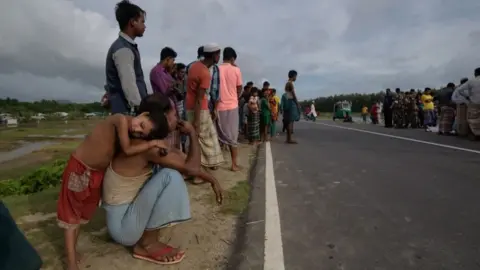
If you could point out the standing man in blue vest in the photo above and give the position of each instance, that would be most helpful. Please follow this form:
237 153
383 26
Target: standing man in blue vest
125 82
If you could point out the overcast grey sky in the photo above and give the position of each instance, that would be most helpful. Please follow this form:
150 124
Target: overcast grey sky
55 49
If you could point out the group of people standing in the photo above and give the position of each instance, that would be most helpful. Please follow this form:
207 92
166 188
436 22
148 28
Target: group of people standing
260 110
454 109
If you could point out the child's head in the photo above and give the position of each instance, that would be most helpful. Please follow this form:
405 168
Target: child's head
156 118
254 92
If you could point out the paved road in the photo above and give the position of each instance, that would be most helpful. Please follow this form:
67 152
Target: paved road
357 200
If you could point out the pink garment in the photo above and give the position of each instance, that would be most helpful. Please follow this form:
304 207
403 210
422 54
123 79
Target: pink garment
230 79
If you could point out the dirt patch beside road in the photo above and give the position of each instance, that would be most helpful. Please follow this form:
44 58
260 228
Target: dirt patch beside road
208 238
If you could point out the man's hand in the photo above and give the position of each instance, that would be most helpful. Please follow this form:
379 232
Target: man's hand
218 192
214 115
185 127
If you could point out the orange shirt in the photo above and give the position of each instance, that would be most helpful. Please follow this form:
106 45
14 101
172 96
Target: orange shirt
198 78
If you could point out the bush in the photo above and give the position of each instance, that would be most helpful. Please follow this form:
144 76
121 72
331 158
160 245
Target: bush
43 178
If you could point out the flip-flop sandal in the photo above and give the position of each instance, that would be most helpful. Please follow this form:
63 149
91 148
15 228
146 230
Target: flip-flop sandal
151 257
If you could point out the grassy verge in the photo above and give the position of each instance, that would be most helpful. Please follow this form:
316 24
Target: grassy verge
236 199
28 163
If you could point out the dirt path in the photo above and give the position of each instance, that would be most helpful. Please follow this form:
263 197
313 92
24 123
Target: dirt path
207 238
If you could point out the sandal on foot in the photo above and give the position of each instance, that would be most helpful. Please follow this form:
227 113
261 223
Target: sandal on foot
161 253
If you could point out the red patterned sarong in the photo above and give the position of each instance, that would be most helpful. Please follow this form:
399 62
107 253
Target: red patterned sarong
79 195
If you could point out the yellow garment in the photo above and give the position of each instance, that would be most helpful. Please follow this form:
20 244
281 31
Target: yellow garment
427 101
364 110
277 99
119 189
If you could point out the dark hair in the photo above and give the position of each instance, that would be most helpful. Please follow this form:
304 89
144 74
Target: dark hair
126 11
397 90
200 52
209 55
229 54
274 90
451 85
463 80
266 83
179 66
166 53
477 72
292 73
157 105
250 84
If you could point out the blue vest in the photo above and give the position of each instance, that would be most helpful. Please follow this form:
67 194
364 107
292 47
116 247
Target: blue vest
118 101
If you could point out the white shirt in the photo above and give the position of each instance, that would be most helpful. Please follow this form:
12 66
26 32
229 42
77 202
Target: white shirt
470 89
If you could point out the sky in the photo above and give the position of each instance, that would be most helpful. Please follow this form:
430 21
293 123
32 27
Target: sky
56 49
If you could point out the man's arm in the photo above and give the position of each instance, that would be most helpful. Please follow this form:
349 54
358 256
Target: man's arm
239 82
464 90
123 60
174 160
202 86
121 125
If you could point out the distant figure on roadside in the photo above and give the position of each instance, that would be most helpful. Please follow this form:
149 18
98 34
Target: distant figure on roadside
470 90
364 113
387 108
253 117
447 109
289 106
373 114
428 109
125 82
460 125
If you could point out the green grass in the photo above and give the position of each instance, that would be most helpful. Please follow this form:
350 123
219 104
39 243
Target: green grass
30 162
235 199
41 202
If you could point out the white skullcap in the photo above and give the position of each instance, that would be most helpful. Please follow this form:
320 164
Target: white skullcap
212 47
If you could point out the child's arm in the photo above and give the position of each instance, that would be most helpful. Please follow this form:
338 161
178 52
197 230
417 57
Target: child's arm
121 125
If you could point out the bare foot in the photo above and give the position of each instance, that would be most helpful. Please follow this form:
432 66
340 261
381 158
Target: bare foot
72 266
158 252
236 168
79 257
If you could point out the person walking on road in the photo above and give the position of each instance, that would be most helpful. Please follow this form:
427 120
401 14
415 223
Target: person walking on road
289 106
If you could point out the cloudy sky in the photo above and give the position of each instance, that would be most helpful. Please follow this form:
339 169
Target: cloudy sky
55 49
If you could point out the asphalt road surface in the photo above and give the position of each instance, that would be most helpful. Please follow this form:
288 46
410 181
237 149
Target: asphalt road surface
353 196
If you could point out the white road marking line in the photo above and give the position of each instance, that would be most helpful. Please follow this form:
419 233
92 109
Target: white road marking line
403 138
273 232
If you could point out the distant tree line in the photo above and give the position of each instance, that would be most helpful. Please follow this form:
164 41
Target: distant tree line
325 104
25 109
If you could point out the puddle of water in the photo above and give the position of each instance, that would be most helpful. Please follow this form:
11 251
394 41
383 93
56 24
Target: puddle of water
25 149
64 136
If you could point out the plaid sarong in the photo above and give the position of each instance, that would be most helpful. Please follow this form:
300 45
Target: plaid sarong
253 122
461 120
447 116
212 155
473 118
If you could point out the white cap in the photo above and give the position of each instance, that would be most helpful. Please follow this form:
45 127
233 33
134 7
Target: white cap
212 47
